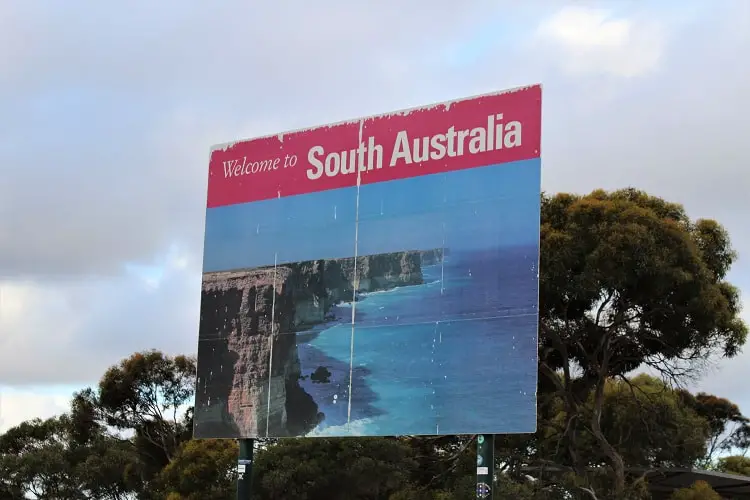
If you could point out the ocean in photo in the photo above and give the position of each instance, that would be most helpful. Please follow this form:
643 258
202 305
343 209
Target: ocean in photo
456 354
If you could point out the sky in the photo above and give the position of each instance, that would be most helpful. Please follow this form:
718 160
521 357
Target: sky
490 206
107 115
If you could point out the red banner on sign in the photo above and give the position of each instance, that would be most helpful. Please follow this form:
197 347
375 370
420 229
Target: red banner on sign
457 135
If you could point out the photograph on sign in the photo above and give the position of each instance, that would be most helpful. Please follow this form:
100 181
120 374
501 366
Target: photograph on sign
375 277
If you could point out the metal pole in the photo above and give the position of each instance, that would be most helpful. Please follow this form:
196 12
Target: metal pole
485 466
245 470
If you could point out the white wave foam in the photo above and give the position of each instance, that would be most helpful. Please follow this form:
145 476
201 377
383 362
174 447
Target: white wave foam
397 288
354 428
364 295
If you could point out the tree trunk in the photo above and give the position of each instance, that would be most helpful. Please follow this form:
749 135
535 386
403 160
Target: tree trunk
618 466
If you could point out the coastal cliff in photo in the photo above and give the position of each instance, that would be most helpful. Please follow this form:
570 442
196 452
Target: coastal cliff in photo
249 379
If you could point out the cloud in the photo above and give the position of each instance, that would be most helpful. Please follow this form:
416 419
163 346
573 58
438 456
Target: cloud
71 331
592 40
17 406
728 377
675 132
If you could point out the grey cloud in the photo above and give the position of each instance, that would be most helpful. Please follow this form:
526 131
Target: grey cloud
69 332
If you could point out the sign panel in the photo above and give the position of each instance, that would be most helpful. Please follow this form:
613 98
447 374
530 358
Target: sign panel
375 277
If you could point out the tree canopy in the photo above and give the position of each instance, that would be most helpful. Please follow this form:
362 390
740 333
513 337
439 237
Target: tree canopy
628 282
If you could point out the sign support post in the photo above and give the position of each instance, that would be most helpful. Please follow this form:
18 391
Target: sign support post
245 469
485 466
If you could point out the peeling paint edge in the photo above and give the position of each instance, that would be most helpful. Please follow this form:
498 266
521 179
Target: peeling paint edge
401 112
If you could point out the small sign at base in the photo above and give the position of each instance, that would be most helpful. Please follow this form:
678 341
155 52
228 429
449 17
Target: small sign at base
483 490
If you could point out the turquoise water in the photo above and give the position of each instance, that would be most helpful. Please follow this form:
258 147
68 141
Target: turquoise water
455 355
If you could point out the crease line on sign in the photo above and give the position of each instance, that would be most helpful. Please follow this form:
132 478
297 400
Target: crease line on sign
442 265
270 339
442 253
354 286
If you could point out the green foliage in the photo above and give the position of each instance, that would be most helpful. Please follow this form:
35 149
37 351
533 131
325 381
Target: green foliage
145 392
735 465
200 470
698 491
650 425
43 458
330 469
627 280
38 461
104 468
442 461
78 456
729 428
506 487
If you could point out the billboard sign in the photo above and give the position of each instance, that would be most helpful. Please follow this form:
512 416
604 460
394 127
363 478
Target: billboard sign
375 277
